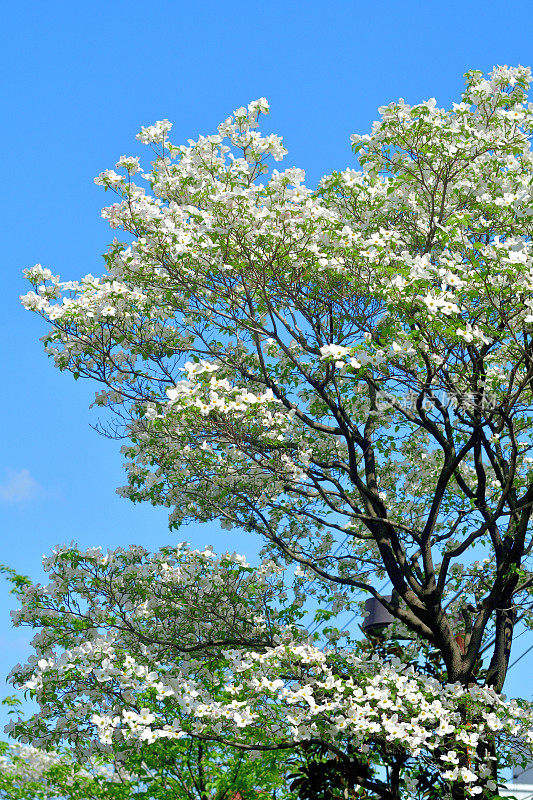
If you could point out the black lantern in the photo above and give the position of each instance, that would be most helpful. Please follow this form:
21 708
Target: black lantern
377 616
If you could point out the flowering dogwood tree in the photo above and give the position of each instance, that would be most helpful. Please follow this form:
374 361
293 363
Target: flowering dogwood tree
186 770
136 650
164 614
28 773
346 371
137 653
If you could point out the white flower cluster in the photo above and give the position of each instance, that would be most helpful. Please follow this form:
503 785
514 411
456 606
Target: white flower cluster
25 768
155 133
218 394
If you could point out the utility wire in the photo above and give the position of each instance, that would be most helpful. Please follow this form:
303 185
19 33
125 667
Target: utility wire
316 581
519 657
518 619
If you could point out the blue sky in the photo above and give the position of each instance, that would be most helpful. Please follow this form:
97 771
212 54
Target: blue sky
79 79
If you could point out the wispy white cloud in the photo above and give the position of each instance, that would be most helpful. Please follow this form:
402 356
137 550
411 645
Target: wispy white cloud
19 487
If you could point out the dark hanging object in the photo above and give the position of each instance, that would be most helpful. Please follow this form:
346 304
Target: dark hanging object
377 615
